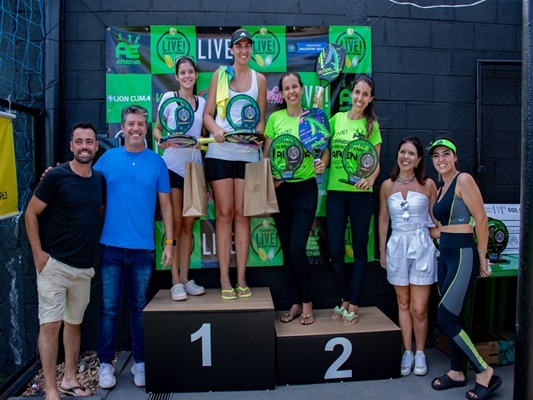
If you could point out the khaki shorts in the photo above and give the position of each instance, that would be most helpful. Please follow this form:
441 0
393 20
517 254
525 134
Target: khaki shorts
64 292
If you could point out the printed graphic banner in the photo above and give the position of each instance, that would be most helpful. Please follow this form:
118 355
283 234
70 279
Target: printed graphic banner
8 172
140 69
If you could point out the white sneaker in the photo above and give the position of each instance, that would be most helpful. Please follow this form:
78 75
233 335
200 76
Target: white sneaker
106 376
138 374
178 292
421 368
193 289
408 360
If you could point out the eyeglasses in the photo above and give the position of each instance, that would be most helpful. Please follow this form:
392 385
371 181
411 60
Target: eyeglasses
404 205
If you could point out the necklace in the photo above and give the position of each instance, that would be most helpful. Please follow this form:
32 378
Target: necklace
132 161
404 181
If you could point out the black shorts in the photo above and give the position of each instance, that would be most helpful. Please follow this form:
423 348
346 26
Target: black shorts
216 169
176 181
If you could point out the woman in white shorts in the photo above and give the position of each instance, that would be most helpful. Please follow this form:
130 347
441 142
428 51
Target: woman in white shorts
407 199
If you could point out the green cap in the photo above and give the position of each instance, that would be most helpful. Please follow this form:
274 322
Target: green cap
442 142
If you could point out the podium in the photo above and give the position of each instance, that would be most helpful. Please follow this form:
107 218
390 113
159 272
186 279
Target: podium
328 351
209 344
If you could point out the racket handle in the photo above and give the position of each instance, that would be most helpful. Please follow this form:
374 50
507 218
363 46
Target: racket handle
206 140
318 176
319 92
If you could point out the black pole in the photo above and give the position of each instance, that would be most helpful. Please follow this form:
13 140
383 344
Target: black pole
523 384
51 68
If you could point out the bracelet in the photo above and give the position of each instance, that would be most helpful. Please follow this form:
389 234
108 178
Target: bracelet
482 251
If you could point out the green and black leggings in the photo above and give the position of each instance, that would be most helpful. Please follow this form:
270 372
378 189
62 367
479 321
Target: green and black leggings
458 270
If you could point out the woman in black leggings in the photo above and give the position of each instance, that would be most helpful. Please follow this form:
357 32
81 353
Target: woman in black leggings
458 209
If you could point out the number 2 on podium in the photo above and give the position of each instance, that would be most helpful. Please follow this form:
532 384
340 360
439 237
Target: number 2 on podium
204 333
333 371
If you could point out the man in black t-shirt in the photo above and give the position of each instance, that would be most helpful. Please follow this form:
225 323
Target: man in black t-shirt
61 222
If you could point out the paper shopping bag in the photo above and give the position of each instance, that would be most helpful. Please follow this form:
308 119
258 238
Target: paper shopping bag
194 194
259 193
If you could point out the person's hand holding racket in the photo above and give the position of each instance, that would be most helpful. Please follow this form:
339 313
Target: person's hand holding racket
360 160
314 130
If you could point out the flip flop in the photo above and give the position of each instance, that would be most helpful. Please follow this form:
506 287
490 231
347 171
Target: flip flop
307 319
483 392
72 391
338 312
350 318
289 316
229 294
241 291
446 383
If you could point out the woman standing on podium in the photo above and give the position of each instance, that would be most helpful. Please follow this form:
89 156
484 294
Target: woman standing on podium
460 210
407 198
186 75
225 162
297 200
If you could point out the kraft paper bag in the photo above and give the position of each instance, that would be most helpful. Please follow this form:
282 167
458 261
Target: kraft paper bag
194 193
259 193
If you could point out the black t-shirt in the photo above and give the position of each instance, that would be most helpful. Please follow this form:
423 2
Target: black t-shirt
68 225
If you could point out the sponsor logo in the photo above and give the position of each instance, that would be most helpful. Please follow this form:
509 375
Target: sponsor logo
172 44
355 47
128 99
264 240
127 49
266 47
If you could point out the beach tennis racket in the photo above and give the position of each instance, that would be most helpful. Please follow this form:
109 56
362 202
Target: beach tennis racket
313 129
329 65
246 137
359 159
286 156
182 112
247 110
180 141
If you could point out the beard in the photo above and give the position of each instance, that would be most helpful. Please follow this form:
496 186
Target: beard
84 159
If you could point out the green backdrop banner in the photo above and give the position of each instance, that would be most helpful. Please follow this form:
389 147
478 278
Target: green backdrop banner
140 69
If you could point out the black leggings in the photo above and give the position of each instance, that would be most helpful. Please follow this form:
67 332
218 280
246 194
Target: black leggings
357 206
458 271
293 225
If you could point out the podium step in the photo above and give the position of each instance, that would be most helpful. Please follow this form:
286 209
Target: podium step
328 351
209 344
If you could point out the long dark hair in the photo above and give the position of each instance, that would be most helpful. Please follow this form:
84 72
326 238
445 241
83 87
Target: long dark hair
420 172
370 112
283 105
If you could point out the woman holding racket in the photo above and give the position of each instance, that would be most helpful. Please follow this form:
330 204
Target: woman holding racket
186 75
351 200
225 162
407 198
297 199
460 211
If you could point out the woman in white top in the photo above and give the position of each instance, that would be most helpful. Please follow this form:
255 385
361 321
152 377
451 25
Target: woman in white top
186 75
407 198
225 162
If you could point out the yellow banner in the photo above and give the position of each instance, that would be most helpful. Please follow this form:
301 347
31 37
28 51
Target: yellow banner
8 173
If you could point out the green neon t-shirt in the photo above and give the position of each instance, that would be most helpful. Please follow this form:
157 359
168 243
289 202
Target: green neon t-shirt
343 131
279 123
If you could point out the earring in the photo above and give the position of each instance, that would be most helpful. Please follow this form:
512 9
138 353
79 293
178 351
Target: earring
416 165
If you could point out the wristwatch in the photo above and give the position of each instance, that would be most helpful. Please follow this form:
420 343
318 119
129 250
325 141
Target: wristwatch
171 241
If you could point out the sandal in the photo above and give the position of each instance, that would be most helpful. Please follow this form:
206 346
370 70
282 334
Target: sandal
445 382
288 316
350 318
244 291
307 319
229 294
338 312
483 392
